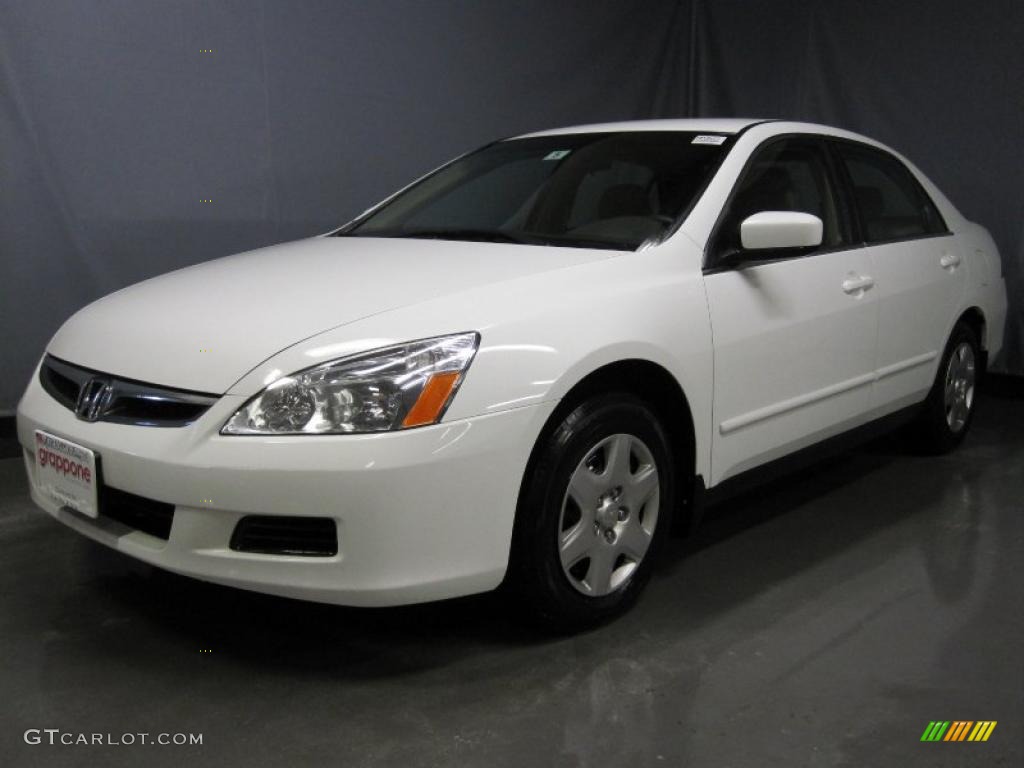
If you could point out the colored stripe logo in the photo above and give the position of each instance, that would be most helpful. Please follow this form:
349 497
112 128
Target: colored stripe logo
958 730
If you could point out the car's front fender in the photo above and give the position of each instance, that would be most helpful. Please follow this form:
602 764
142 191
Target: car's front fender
540 335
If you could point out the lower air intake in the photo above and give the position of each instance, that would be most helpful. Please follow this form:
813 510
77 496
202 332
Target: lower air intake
271 535
138 512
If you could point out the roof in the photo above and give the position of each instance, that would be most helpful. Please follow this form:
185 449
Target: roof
700 125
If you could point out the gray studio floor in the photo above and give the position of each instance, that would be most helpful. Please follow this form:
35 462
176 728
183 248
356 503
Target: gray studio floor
823 620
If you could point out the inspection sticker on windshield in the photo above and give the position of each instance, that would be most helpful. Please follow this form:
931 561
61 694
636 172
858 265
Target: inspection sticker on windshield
558 154
708 139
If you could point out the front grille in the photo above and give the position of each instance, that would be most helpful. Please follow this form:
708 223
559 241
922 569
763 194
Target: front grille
63 388
269 535
122 401
138 512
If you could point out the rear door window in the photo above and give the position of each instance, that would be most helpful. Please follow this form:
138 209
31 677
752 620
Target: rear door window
890 202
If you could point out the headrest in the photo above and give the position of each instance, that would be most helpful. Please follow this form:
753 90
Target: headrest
624 200
870 201
770 191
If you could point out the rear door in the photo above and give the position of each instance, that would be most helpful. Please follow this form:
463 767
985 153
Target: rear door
917 266
794 337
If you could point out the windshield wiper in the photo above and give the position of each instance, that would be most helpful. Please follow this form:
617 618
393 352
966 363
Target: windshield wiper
490 236
480 235
579 242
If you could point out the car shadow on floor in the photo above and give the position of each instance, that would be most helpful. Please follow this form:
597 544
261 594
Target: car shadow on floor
746 545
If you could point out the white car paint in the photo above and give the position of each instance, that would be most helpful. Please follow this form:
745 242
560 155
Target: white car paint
780 229
795 312
771 358
203 327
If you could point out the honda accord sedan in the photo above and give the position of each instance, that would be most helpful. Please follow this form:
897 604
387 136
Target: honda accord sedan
527 368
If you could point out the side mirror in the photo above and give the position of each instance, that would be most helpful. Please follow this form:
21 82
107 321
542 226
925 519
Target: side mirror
772 230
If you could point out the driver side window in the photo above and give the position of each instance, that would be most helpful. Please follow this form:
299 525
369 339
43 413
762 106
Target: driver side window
786 175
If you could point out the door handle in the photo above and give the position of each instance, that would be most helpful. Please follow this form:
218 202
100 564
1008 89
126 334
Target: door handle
858 284
950 261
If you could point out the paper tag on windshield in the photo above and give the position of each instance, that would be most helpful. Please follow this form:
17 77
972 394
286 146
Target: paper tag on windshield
558 154
707 139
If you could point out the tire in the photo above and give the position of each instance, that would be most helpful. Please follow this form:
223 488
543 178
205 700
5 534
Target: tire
610 525
949 408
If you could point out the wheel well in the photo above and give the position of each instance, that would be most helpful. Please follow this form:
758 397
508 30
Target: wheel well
661 391
974 318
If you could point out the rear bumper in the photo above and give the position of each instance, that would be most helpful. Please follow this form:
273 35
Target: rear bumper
423 514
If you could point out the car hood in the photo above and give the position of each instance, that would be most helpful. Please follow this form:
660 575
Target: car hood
204 327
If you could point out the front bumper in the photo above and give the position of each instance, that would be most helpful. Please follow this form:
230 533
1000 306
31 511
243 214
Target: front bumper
423 514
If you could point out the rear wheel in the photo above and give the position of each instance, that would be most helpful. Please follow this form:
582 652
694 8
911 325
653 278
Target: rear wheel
593 512
949 409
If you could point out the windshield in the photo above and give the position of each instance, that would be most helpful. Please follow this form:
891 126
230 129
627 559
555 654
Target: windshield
596 190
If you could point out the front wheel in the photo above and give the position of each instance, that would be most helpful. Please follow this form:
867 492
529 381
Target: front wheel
949 409
594 509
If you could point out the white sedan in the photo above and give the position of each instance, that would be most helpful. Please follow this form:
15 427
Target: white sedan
525 368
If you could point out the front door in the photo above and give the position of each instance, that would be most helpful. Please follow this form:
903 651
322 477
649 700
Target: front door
794 337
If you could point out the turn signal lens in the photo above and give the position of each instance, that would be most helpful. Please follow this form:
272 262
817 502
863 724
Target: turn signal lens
432 399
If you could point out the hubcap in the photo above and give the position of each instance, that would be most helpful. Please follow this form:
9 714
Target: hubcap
608 515
959 394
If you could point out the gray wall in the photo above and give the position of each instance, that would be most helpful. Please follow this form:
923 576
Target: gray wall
114 124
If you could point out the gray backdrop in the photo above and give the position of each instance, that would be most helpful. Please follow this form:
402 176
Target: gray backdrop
116 123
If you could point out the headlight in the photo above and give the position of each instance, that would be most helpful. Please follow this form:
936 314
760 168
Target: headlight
408 385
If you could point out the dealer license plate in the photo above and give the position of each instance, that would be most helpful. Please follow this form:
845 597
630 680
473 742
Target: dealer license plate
66 472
